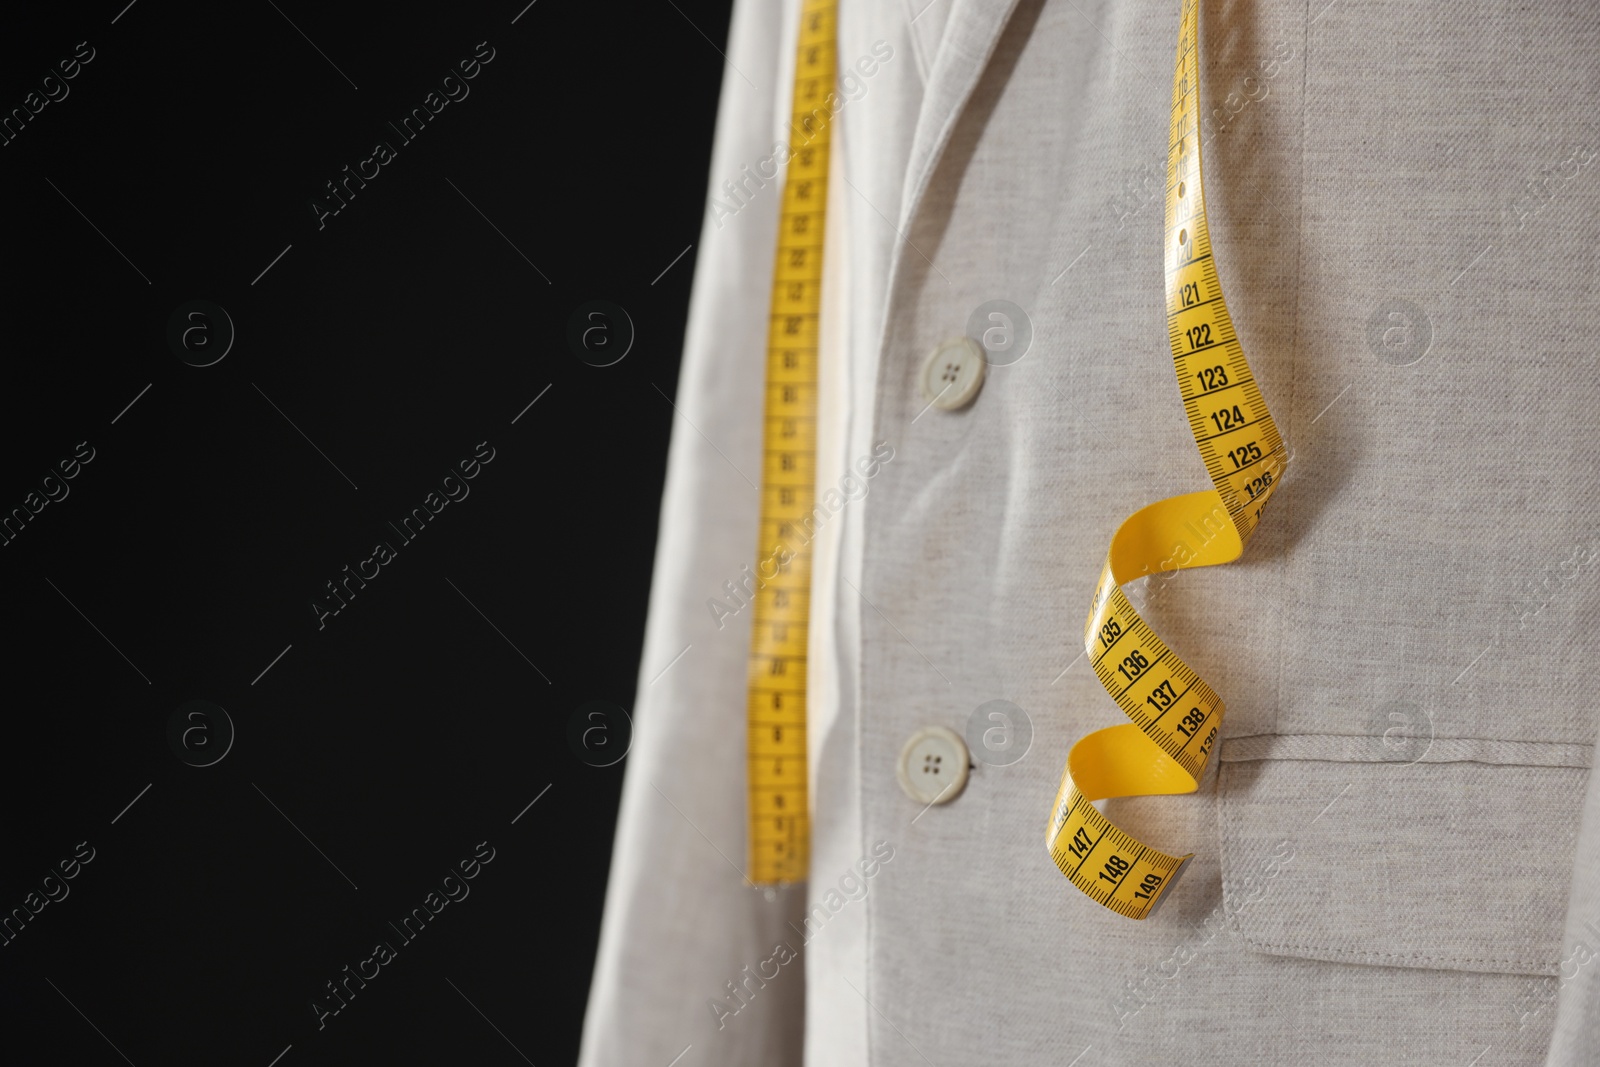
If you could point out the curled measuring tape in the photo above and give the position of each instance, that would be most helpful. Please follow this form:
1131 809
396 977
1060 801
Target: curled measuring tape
1175 716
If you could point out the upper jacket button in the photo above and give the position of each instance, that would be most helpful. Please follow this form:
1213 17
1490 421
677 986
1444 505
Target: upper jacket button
953 373
933 765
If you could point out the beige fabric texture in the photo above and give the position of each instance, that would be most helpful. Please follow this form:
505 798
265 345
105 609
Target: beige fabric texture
1397 848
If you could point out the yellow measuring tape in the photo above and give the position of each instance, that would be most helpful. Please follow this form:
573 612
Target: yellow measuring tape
1176 717
780 821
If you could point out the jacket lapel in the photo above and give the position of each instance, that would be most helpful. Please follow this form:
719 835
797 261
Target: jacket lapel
969 38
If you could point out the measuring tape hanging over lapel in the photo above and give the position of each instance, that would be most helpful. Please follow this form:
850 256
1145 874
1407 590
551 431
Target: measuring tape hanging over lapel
779 813
1175 716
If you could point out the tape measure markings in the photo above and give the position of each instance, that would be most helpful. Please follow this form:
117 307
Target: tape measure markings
776 763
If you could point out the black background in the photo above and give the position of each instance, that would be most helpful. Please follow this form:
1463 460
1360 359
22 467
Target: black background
376 353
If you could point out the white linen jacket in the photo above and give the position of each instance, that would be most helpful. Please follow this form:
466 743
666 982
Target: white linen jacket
1397 845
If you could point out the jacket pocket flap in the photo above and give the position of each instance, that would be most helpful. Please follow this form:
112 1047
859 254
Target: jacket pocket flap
1458 857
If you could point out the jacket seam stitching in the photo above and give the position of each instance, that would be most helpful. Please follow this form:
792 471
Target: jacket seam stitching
1537 966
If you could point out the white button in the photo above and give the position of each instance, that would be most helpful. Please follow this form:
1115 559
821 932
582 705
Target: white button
933 765
953 374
